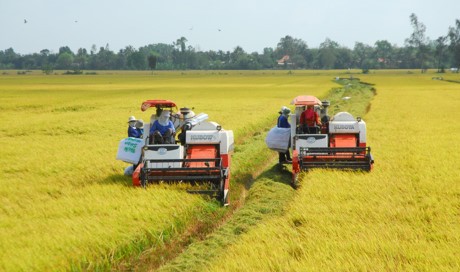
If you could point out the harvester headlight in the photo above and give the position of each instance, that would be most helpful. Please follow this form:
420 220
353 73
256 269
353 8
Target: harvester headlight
358 119
219 128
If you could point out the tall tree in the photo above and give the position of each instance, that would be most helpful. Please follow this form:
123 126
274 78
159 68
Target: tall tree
152 59
65 49
328 54
180 43
64 61
267 59
296 49
440 48
81 58
344 58
383 53
454 36
362 56
10 59
179 54
418 41
238 59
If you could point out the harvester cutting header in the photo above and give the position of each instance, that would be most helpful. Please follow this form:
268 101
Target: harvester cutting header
200 155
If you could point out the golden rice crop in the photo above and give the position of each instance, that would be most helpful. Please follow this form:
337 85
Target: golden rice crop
63 198
403 216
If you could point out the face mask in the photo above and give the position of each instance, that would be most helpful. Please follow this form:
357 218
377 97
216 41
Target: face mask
163 120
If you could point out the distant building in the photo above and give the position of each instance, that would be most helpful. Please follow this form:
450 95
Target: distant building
284 60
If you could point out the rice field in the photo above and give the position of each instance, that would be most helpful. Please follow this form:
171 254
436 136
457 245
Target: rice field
64 202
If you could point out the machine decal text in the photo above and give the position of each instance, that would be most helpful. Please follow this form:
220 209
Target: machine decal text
202 137
344 127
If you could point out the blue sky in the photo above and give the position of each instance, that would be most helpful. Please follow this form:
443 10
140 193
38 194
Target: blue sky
214 24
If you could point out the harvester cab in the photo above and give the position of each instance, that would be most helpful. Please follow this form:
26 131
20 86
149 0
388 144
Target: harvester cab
201 156
340 141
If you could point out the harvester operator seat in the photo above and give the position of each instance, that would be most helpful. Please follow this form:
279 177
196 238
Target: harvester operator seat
306 129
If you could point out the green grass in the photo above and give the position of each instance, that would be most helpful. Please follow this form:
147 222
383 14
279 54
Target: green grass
359 95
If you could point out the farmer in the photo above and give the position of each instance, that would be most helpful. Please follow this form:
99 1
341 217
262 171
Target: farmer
162 130
155 116
132 132
284 157
309 120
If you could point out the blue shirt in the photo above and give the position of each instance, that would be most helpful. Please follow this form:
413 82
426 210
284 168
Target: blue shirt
132 132
283 122
162 129
140 132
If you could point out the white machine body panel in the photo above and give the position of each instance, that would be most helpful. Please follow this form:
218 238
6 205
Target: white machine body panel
205 125
336 127
164 152
343 122
362 131
311 140
222 137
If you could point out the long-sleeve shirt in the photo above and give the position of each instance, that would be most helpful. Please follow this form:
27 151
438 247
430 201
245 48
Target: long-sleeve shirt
283 122
132 132
162 129
310 118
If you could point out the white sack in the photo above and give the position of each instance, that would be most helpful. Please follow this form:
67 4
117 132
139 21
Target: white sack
129 150
129 171
278 139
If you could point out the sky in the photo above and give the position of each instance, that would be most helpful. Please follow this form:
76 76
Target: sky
214 24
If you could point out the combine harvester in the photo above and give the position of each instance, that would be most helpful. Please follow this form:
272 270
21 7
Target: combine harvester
340 141
201 157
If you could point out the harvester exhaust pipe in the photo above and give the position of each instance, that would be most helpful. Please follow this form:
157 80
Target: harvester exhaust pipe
195 121
323 112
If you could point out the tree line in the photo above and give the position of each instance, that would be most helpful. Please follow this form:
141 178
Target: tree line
418 52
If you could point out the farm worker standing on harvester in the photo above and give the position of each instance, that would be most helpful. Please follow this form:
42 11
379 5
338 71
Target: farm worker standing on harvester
132 131
162 130
309 121
284 157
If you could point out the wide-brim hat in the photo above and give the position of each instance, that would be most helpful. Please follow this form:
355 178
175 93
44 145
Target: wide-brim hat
132 119
140 123
284 110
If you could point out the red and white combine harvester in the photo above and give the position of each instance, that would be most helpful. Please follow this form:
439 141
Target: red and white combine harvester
201 157
340 142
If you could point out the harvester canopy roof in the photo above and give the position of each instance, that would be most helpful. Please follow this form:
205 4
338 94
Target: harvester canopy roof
306 100
159 103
